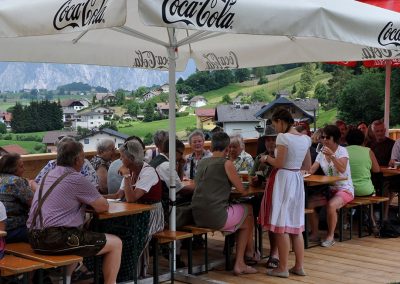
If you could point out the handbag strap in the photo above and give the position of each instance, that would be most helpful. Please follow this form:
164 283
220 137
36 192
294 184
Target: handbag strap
38 211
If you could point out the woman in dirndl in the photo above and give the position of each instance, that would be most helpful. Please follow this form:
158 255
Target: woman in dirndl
282 207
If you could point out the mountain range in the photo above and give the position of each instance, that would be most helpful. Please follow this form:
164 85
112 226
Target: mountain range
18 76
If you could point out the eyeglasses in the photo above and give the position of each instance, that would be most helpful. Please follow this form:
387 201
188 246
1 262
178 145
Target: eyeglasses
327 137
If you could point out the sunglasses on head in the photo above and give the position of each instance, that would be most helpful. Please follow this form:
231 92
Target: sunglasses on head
327 137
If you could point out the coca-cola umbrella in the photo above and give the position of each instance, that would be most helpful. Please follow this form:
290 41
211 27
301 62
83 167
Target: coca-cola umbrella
217 34
387 33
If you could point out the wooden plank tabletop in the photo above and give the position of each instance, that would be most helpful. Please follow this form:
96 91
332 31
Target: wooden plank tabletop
118 209
389 171
320 179
25 250
251 191
11 265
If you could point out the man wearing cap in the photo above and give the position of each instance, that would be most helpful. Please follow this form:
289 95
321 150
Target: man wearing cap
261 171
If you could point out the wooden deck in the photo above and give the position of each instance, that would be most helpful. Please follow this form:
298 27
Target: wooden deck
365 260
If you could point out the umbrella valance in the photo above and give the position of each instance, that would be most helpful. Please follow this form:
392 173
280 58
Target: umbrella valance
43 17
261 33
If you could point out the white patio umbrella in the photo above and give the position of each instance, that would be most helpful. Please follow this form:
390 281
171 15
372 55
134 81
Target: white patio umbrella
217 34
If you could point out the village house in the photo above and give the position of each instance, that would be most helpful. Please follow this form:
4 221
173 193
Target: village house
5 117
108 112
239 119
205 118
51 137
183 99
297 112
13 148
74 104
311 106
149 95
164 88
163 108
88 120
107 98
90 141
197 101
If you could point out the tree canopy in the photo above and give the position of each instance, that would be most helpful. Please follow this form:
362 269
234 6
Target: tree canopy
38 116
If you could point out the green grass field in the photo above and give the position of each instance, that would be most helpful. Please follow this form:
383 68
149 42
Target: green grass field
27 145
326 117
142 128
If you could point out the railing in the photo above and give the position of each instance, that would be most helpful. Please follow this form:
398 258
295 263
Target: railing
35 162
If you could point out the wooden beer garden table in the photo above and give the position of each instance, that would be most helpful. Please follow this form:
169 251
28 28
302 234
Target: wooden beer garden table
388 171
118 209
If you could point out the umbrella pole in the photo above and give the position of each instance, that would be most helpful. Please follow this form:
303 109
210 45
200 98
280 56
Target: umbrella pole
388 69
172 135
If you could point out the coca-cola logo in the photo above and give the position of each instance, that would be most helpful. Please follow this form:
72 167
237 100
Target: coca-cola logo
78 14
147 59
215 62
199 13
372 53
389 35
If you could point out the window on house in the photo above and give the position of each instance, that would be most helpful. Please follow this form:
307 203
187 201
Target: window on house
86 140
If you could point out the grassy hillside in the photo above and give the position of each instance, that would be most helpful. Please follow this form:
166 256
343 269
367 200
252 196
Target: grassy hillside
284 81
142 128
326 117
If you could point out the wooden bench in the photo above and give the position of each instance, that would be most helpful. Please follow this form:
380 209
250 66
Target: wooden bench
355 203
25 250
165 237
200 231
371 200
13 265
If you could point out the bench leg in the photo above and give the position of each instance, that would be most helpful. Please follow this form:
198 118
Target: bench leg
228 265
64 274
206 252
260 240
305 231
155 261
25 278
341 224
190 257
360 221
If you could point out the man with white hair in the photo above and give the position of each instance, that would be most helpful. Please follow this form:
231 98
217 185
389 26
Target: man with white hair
382 149
101 162
87 169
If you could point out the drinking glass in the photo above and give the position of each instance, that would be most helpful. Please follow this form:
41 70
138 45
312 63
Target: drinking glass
319 147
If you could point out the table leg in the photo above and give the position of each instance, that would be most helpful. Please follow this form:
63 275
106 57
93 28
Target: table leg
135 269
96 263
155 261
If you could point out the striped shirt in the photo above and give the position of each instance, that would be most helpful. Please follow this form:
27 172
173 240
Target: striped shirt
66 204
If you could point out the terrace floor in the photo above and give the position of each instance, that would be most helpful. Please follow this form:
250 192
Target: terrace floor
365 260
